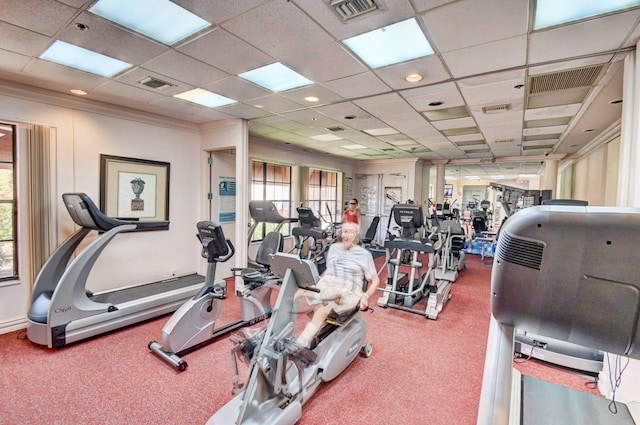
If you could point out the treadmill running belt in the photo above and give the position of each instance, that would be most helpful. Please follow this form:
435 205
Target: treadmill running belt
544 403
120 296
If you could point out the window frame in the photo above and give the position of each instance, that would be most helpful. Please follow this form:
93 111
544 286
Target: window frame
260 187
324 192
15 274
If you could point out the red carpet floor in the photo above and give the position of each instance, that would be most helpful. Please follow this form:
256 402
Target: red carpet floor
421 372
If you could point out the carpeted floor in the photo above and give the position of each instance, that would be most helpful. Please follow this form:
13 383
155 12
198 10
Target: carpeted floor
421 372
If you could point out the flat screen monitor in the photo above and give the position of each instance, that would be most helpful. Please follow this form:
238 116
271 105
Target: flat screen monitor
448 190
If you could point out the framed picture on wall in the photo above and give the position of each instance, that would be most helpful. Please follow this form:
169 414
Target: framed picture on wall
134 189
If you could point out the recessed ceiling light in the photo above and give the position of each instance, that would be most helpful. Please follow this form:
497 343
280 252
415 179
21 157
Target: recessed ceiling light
413 78
311 99
161 20
85 60
386 131
554 12
395 43
354 147
78 92
326 138
204 98
82 27
276 77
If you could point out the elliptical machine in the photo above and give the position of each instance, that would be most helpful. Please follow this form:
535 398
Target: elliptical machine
407 282
282 375
193 324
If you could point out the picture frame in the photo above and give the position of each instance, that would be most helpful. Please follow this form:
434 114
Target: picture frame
134 189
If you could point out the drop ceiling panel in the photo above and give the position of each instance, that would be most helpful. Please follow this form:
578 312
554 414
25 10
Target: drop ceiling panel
324 95
270 28
477 22
225 51
108 39
180 67
20 40
583 38
217 12
49 18
318 68
386 105
275 103
237 88
494 89
241 110
455 123
446 93
356 86
116 89
430 67
552 112
559 97
488 57
71 78
12 62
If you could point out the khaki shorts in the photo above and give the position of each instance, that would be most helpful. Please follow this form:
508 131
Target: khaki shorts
345 298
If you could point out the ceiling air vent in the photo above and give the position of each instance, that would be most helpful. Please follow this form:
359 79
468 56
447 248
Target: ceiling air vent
563 80
495 109
499 141
336 128
154 83
349 9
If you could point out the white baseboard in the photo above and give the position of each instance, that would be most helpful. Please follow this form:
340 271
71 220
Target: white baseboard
13 325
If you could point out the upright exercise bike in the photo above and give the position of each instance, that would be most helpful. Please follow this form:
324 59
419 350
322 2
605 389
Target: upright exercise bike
283 375
193 324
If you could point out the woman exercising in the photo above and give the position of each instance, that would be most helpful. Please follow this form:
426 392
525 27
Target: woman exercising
348 265
352 213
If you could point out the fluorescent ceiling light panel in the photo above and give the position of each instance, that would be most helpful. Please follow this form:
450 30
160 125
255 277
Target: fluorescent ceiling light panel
556 12
204 98
395 43
326 138
354 147
386 131
85 60
276 77
161 20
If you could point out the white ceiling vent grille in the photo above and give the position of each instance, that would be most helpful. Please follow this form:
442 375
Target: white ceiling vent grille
154 83
495 109
563 80
349 9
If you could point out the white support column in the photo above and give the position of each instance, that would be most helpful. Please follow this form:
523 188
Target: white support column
627 385
628 177
440 179
551 176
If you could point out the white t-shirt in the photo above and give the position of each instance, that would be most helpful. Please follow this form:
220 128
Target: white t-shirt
352 265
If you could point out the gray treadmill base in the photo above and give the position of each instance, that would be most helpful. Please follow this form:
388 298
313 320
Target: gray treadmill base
544 403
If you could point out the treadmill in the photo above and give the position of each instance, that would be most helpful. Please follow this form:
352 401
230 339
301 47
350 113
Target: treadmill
569 273
63 311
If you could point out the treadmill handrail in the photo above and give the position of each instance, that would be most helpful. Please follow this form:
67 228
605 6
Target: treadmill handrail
86 214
